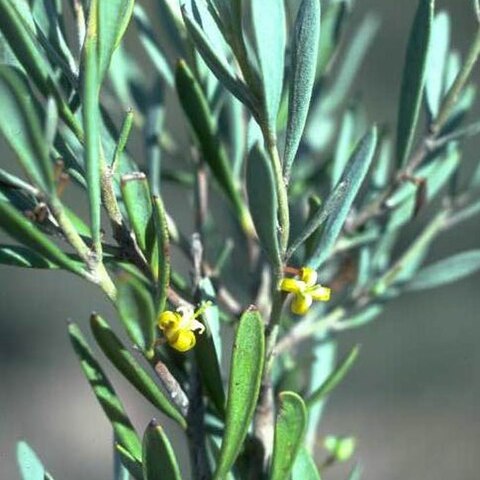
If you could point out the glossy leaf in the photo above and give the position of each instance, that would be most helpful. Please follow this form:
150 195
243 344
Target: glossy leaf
334 378
159 461
268 19
436 62
244 386
21 128
262 198
413 78
349 184
446 271
124 432
18 227
304 467
304 64
126 363
135 308
289 432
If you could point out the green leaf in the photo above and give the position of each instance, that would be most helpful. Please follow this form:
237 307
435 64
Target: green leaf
135 308
163 244
356 473
304 64
126 363
268 18
289 432
262 198
201 119
22 129
446 271
343 148
334 378
17 256
125 434
207 353
159 461
218 65
137 200
120 472
413 78
436 62
347 188
304 467
31 467
18 227
129 462
244 387
361 318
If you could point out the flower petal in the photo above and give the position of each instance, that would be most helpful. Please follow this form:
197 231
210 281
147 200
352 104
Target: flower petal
320 293
301 304
168 319
309 276
291 285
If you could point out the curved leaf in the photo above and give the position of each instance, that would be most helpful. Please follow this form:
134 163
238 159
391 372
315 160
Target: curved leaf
304 467
244 386
289 432
31 468
304 64
159 461
126 363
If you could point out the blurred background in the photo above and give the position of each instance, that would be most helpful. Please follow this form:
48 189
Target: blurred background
411 400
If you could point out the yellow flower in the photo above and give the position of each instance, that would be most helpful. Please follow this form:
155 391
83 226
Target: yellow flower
305 290
179 326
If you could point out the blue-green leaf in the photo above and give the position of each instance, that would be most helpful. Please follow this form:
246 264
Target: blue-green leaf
446 271
262 198
31 468
159 460
244 387
289 432
304 467
413 78
268 18
351 181
304 64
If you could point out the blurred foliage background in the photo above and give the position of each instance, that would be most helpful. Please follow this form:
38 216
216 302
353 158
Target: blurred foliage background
411 400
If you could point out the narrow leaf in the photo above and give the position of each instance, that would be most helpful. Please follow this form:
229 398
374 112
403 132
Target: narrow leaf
304 64
268 18
135 308
413 78
262 198
446 271
124 432
159 461
17 256
349 184
22 230
304 467
126 363
31 467
334 378
244 387
289 432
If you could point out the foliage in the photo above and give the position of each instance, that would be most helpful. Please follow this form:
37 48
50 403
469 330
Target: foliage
260 89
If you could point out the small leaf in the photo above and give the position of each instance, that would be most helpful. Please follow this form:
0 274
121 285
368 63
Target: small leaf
31 468
304 64
208 348
163 244
343 148
129 462
21 128
334 378
413 78
268 19
124 432
361 318
196 107
262 198
436 62
135 308
289 432
244 387
349 184
18 227
126 363
159 461
120 472
17 256
304 467
446 271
